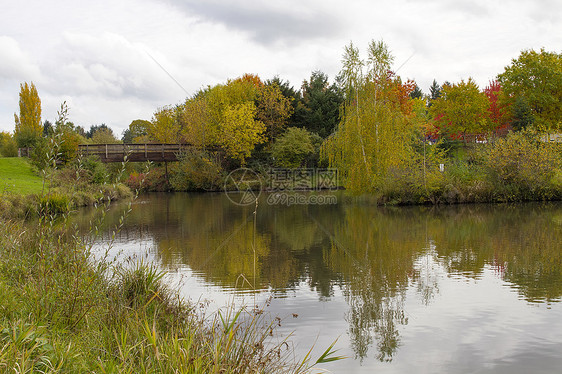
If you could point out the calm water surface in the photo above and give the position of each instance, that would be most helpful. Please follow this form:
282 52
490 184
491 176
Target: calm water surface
460 289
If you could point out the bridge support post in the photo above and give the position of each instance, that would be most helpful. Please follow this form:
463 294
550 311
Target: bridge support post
167 179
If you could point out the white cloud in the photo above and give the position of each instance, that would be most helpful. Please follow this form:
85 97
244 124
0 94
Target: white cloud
98 54
15 64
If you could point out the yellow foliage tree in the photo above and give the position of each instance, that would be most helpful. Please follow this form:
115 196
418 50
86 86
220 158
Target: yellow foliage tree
231 118
374 136
273 109
240 132
28 124
223 116
164 128
195 122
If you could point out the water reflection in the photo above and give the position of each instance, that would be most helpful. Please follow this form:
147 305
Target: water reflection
375 256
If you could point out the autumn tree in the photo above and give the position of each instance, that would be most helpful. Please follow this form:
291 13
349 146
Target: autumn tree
253 79
240 132
499 111
374 135
137 132
164 127
461 109
226 116
537 78
195 119
273 109
28 126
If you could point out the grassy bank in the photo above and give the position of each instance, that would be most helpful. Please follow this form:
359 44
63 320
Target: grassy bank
26 193
63 311
18 177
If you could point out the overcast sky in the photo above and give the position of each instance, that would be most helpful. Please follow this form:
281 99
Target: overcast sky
114 61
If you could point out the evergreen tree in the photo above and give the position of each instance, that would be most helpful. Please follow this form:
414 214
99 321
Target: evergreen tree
417 93
434 91
318 111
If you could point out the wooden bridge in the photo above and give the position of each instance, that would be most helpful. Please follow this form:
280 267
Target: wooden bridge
134 152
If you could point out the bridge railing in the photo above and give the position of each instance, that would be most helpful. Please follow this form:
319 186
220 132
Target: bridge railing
123 149
135 152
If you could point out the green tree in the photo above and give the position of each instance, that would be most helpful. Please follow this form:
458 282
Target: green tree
522 115
28 126
295 147
434 92
137 132
461 109
104 135
318 111
93 129
417 93
48 129
536 76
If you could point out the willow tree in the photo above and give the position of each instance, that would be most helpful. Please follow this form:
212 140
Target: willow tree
373 140
28 127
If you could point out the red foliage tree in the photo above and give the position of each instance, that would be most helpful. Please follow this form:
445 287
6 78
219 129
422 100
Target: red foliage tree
498 110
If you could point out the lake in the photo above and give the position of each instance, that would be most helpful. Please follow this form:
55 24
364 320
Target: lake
456 289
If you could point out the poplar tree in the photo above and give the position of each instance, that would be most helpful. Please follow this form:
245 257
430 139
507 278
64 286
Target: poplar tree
28 127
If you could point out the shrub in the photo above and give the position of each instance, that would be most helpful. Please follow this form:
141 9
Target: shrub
135 181
196 170
156 180
97 172
41 154
8 146
67 146
16 206
521 166
54 204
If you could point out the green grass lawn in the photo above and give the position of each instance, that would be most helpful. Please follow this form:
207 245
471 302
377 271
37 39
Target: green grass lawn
17 176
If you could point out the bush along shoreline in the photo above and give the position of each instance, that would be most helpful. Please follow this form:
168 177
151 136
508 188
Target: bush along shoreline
519 167
515 168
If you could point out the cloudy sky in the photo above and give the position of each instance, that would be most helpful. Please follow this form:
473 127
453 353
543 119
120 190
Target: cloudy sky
114 61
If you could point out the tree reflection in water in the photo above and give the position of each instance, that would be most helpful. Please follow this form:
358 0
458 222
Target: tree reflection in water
375 255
